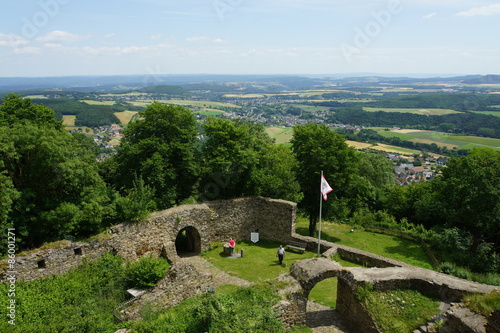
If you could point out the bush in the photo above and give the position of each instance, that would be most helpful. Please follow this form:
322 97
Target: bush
79 301
484 304
145 272
243 310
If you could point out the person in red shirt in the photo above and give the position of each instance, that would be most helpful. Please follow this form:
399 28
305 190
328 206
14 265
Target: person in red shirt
232 243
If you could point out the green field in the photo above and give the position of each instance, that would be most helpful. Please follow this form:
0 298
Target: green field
210 112
200 104
126 116
443 139
92 102
69 120
490 113
280 134
426 112
311 108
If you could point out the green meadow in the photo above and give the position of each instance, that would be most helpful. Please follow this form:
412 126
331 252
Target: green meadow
427 112
444 139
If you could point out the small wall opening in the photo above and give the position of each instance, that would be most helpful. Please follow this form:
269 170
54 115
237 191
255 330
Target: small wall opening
41 264
188 242
78 251
322 304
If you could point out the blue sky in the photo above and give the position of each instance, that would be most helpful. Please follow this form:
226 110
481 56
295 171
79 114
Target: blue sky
111 37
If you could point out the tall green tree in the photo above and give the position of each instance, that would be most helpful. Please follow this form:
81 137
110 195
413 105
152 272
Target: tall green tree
317 148
230 153
158 148
470 194
240 159
50 177
17 110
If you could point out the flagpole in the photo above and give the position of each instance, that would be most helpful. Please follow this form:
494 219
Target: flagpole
320 209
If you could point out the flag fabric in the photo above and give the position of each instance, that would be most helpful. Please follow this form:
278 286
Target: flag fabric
325 188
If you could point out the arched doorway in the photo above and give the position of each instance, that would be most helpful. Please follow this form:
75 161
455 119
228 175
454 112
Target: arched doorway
321 304
188 242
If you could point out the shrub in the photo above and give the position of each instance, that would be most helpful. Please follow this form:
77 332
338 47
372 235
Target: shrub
483 304
145 272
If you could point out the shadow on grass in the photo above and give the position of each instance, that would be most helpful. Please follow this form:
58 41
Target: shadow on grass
410 251
304 231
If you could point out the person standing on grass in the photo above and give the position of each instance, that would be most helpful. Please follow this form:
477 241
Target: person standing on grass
232 244
280 254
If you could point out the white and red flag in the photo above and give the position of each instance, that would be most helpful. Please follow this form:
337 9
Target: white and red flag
325 188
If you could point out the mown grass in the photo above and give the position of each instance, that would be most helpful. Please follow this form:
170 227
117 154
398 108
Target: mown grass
384 245
259 261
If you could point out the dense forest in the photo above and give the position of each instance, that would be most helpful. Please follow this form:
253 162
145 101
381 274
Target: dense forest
53 188
466 123
87 115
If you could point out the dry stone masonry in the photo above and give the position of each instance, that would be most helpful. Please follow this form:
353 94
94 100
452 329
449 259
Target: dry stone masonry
217 221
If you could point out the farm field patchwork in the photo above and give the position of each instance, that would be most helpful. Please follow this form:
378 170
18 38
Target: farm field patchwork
443 139
280 134
427 112
200 104
490 113
92 102
69 120
125 117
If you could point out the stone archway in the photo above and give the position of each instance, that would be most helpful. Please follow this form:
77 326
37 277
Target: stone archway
188 242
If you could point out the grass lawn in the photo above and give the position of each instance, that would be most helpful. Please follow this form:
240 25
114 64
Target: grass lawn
259 261
384 245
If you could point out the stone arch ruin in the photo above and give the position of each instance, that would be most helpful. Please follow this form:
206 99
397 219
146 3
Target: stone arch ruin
188 241
216 221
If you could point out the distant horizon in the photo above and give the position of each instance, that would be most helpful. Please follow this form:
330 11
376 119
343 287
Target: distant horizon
56 38
319 75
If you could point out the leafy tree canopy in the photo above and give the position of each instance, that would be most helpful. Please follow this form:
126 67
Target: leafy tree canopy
318 148
159 148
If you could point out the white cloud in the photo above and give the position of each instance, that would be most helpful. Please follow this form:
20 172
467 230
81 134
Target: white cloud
116 51
204 39
52 45
28 50
110 35
429 16
11 40
60 36
483 11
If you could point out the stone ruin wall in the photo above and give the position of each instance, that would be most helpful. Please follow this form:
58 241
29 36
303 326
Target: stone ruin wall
215 221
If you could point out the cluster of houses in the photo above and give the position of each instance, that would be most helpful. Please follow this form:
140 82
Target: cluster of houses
107 138
416 170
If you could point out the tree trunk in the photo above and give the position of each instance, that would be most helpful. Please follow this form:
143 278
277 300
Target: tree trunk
312 226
